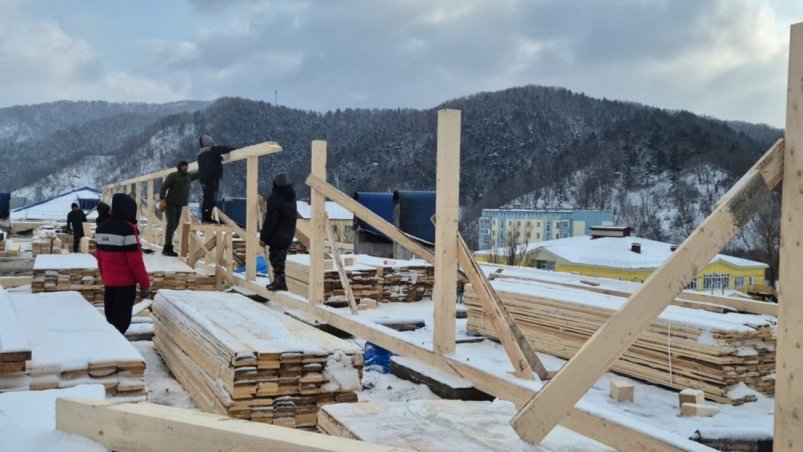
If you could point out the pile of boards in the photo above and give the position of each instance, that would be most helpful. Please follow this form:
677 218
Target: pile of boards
50 341
79 272
46 245
242 359
362 278
400 280
393 280
682 348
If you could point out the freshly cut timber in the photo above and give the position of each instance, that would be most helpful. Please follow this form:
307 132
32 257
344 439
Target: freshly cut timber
362 278
682 348
68 343
245 360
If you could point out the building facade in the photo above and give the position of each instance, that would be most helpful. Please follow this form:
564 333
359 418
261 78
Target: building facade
499 227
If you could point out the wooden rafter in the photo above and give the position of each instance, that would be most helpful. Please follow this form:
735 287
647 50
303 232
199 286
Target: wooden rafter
734 210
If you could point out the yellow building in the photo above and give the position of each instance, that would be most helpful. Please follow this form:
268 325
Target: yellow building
341 220
610 252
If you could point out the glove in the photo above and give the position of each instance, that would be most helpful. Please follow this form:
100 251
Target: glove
162 205
262 244
144 293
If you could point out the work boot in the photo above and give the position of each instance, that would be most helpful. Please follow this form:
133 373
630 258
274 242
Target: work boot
168 251
277 285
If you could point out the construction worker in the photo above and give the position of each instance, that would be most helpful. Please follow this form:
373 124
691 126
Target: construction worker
120 262
279 228
173 196
210 171
75 224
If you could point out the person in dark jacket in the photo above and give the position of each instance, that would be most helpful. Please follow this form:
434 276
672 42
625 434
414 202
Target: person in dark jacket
173 196
120 263
210 171
103 212
279 228
75 224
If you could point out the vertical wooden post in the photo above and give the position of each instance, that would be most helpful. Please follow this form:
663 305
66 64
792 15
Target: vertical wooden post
251 213
138 196
184 222
220 247
447 203
149 214
789 355
317 225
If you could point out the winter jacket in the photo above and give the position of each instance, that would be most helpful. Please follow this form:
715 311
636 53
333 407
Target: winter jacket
75 219
176 188
118 251
279 226
210 158
103 212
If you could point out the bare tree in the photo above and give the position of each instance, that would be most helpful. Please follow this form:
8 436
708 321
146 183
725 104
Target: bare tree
516 239
764 232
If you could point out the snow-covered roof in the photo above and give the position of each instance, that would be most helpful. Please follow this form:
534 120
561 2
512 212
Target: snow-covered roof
333 210
55 208
616 252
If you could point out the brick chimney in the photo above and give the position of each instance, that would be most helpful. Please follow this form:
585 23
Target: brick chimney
635 247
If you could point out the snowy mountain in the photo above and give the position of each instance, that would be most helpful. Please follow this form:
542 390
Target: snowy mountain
661 171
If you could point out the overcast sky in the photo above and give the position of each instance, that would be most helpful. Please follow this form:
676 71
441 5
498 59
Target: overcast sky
723 58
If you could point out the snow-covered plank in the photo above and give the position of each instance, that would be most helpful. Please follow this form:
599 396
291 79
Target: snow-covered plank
14 346
65 262
788 389
545 409
146 426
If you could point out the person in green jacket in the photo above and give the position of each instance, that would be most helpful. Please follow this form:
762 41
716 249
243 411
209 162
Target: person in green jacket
173 196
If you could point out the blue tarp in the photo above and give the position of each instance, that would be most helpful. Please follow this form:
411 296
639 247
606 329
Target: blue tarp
378 203
377 356
414 210
262 266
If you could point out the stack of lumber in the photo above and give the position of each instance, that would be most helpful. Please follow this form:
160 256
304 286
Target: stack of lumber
400 280
245 360
682 348
79 272
46 245
88 245
16 266
362 278
9 248
297 248
66 240
67 343
61 272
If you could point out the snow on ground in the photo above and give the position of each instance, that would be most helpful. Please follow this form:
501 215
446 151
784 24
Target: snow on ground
163 388
28 421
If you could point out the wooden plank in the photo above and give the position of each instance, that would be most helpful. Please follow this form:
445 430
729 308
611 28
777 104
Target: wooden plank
145 427
317 224
545 410
15 281
341 272
202 250
518 349
237 229
789 364
615 432
447 205
255 150
252 212
371 218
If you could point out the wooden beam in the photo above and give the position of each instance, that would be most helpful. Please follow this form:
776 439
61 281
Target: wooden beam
251 214
789 359
447 206
733 211
202 250
150 210
371 218
616 431
518 349
255 150
225 219
317 224
341 272
147 427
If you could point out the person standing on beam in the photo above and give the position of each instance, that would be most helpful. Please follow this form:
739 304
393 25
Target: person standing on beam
173 196
210 171
279 228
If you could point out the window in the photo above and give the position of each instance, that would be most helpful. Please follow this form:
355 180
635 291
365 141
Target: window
538 224
692 285
715 281
738 282
87 203
537 235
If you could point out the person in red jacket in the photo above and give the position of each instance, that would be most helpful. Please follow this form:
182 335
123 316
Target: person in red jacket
119 255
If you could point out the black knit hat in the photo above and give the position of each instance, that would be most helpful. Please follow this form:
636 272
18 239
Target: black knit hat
73 205
281 180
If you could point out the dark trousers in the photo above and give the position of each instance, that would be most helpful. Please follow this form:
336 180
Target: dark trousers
210 199
277 256
117 303
77 234
173 216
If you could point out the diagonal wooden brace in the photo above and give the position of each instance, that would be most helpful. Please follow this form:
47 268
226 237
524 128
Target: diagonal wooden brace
550 405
